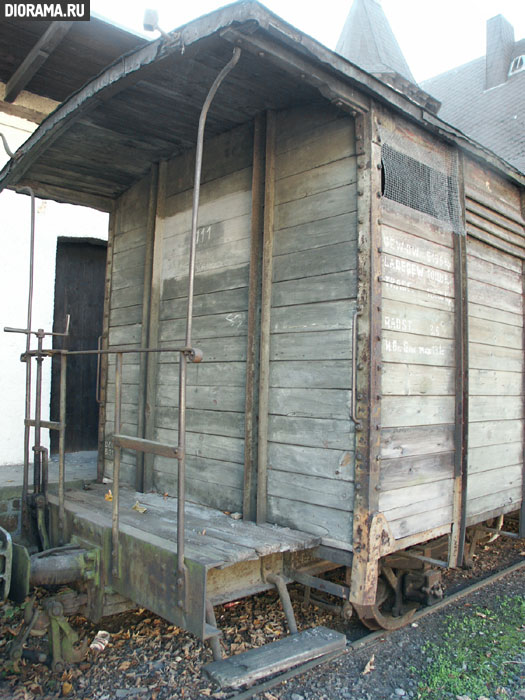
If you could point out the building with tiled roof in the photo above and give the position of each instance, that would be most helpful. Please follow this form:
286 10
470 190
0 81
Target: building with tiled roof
485 98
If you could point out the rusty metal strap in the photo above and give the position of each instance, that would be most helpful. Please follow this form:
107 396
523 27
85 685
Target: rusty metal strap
320 584
149 446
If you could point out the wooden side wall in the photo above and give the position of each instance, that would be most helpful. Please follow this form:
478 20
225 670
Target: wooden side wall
495 250
310 434
216 387
125 316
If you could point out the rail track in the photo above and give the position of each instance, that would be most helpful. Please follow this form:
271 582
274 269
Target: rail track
372 637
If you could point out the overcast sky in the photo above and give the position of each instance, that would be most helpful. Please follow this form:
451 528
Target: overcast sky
434 35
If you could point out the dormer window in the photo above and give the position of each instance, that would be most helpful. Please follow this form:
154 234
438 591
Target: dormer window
517 65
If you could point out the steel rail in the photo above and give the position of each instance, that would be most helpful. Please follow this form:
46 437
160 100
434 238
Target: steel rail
370 639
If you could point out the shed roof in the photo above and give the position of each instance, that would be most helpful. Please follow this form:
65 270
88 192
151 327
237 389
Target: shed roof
145 107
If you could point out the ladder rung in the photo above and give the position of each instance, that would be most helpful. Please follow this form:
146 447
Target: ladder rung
150 446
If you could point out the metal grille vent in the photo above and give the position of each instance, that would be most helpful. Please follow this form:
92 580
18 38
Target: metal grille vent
423 186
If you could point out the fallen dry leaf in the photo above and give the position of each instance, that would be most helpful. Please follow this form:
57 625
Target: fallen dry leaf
108 496
139 508
124 666
66 688
370 666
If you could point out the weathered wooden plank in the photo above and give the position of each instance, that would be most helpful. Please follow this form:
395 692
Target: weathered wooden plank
323 145
314 180
315 234
495 357
411 318
220 256
231 192
298 125
397 411
312 432
330 345
495 297
398 290
316 261
134 208
205 374
500 220
417 349
483 408
214 326
213 471
329 493
496 432
125 335
127 296
412 379
497 501
412 471
205 397
476 233
275 657
317 374
130 258
220 447
125 315
307 290
206 282
495 191
226 423
400 442
227 301
311 461
321 521
310 403
484 382
487 482
487 312
319 206
492 332
219 232
125 240
414 275
481 225
230 349
324 316
415 223
421 522
492 255
493 274
398 502
489 457
420 250
128 278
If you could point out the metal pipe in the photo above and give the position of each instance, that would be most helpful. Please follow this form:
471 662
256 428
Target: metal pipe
38 412
194 354
181 478
279 583
62 447
6 146
116 468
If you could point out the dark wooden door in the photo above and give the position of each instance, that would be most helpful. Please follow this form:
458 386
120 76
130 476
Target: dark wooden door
79 291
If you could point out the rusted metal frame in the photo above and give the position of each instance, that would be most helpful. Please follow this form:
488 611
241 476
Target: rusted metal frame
521 530
182 571
353 411
254 320
215 643
113 222
266 306
194 354
37 458
116 469
456 549
47 424
366 533
320 584
62 448
140 477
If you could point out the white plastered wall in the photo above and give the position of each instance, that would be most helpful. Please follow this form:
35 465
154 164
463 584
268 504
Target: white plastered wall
52 220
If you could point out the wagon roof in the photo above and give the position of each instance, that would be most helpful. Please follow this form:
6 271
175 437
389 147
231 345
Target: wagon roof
145 106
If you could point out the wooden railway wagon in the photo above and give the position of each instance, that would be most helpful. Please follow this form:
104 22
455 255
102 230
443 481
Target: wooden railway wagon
358 301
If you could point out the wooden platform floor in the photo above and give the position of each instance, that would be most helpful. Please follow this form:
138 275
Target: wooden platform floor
212 538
